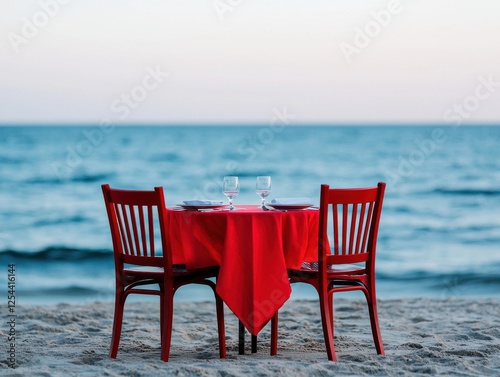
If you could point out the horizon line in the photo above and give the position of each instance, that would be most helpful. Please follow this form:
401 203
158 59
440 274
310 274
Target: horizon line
248 124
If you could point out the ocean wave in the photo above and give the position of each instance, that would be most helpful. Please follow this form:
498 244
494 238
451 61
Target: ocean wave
467 191
11 160
56 254
166 157
254 173
71 291
455 229
90 178
74 219
443 279
81 178
43 181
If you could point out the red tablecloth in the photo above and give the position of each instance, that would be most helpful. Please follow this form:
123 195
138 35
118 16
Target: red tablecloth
253 249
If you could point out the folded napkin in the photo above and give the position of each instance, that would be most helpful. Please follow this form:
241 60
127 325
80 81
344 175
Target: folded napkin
291 201
202 202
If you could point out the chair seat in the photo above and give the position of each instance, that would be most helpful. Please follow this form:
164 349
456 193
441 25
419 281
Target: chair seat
178 269
143 270
332 269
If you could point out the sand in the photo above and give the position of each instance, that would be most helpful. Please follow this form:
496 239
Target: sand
458 337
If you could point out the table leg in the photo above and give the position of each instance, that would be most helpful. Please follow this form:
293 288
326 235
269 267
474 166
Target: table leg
241 339
254 343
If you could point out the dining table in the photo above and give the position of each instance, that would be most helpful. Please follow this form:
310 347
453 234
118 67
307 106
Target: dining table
253 248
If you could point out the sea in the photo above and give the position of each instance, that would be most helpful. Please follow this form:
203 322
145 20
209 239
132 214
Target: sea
440 228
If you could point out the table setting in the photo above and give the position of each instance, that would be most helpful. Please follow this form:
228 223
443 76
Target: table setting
231 189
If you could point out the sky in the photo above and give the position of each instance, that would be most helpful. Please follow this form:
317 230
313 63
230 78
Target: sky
242 61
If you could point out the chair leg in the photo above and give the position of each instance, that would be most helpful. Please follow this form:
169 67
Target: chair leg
117 324
327 322
168 314
372 308
241 338
274 334
161 318
220 326
330 305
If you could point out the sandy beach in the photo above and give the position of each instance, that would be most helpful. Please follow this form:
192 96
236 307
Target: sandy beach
451 336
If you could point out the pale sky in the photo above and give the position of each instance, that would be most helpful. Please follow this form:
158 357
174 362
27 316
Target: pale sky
238 61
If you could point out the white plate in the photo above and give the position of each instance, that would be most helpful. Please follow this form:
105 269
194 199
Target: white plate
289 206
201 206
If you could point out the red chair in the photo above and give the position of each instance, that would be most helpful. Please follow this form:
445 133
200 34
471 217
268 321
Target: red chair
350 265
135 218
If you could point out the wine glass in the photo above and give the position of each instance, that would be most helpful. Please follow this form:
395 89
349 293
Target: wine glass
263 188
230 188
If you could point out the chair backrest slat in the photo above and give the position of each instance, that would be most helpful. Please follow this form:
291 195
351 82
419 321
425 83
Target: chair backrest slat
361 228
126 215
368 222
123 227
140 209
135 231
344 227
151 231
352 236
335 229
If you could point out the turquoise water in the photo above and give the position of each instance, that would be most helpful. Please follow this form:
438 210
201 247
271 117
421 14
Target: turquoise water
440 230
